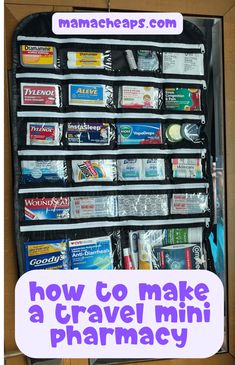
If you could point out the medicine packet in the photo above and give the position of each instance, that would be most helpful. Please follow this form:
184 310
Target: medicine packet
94 170
182 257
143 133
138 97
40 94
94 95
89 60
47 255
189 203
38 56
46 208
89 133
147 60
183 63
190 168
143 205
91 253
44 134
93 206
185 99
40 171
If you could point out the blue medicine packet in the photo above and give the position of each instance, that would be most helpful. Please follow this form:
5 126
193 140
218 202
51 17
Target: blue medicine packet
39 171
46 255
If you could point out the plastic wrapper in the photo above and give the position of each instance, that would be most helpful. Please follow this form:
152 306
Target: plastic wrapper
44 134
130 59
93 206
141 169
189 203
38 56
184 99
147 60
187 168
93 95
90 60
138 97
89 133
46 255
139 133
182 257
94 170
182 63
40 171
46 208
143 205
43 95
176 132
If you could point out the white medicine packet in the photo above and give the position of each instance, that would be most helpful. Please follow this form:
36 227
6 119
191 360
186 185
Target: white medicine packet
183 63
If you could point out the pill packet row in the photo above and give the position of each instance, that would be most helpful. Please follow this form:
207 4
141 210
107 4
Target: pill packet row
48 172
182 63
95 253
99 95
147 247
59 208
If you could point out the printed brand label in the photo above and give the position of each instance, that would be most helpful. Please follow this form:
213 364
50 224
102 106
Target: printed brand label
183 63
93 207
181 257
85 60
139 97
189 203
141 169
44 134
43 171
88 133
40 94
92 254
47 208
46 255
186 99
87 95
32 55
187 168
139 133
93 170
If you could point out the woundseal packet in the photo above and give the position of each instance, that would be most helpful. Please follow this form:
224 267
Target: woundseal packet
46 208
46 255
91 254
40 95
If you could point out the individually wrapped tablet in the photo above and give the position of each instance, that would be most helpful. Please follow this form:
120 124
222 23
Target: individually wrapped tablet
90 60
40 95
94 95
138 97
44 134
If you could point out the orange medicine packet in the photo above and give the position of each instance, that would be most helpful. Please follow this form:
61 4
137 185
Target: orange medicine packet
38 56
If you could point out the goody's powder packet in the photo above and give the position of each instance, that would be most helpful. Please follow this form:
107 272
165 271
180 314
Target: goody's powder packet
46 255
92 253
44 134
93 95
48 171
93 206
89 133
139 133
46 208
94 170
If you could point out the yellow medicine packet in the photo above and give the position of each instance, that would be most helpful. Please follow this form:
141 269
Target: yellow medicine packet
38 56
85 60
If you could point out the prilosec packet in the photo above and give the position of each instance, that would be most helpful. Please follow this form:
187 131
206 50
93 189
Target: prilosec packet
88 133
139 133
183 63
182 257
138 97
90 95
40 94
46 255
91 254
46 208
93 206
93 170
37 171
38 56
186 99
44 134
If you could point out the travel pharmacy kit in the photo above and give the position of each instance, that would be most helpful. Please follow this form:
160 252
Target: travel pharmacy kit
111 154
